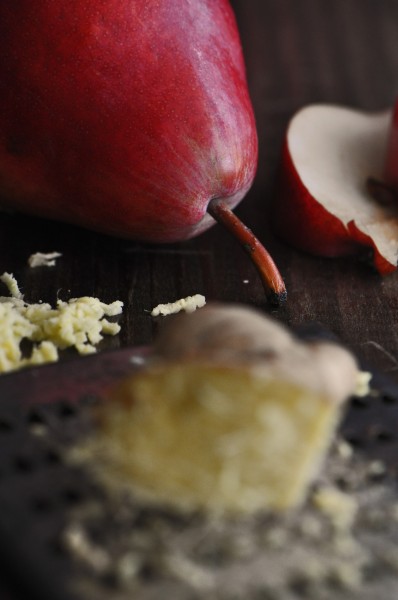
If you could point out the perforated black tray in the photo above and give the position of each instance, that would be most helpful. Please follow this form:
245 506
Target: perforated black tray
42 410
45 409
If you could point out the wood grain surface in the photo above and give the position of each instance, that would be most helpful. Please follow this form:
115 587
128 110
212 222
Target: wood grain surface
297 52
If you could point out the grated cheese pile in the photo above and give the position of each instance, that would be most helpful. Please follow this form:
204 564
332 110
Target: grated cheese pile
78 323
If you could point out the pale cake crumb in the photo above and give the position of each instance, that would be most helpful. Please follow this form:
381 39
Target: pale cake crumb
363 383
344 449
341 508
376 468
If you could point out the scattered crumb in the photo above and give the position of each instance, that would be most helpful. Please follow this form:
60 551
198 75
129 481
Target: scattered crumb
347 576
363 382
341 508
128 567
177 565
311 527
76 540
344 449
78 323
245 281
276 537
40 259
376 468
137 360
345 545
189 304
296 555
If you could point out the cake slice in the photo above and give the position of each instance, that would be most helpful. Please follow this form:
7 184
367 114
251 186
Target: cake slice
231 415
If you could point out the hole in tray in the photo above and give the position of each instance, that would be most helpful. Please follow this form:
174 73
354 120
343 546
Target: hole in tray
56 546
377 475
377 433
384 436
23 464
52 457
42 504
342 483
360 402
35 418
66 410
109 580
6 426
355 441
388 399
299 585
72 496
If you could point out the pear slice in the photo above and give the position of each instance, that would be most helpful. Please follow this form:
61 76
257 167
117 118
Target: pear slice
323 203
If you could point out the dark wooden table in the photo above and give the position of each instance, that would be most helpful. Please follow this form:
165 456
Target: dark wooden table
346 52
297 52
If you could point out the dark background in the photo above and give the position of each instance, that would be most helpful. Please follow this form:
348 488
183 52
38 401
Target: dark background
297 52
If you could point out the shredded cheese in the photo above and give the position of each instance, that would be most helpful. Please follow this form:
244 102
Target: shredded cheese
40 259
9 280
79 323
189 304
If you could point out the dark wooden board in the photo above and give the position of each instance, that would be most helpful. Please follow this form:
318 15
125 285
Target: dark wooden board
296 53
345 51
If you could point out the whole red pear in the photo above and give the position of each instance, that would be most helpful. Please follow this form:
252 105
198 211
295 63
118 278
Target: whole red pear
124 116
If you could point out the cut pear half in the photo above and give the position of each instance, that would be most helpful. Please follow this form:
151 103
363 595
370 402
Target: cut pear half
324 204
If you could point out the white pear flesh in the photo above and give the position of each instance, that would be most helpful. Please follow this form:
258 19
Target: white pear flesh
335 150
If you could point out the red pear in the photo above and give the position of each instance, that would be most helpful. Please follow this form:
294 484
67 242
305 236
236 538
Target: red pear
329 201
125 116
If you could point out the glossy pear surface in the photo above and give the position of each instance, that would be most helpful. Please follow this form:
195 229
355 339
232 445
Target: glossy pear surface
124 116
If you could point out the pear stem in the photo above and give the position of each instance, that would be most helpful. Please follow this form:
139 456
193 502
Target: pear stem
272 281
